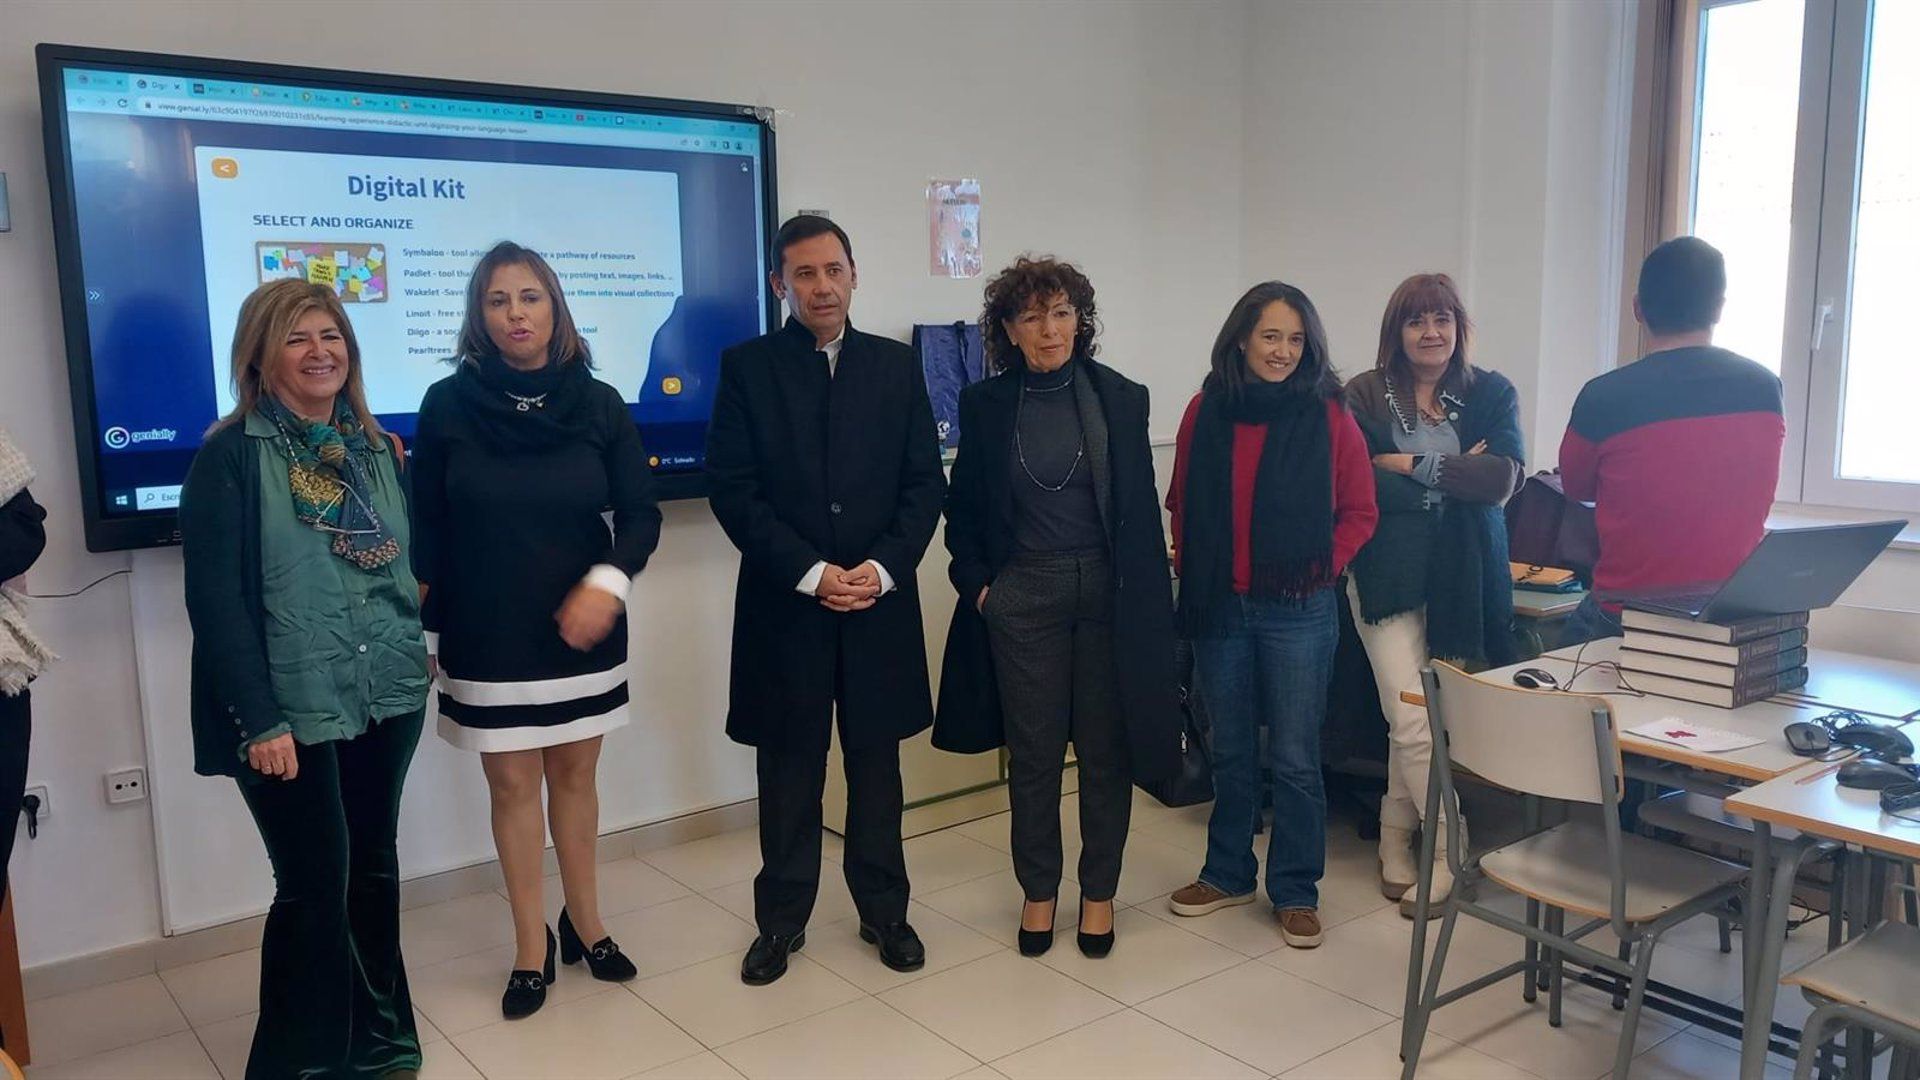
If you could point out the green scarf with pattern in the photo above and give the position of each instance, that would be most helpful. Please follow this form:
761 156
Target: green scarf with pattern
332 489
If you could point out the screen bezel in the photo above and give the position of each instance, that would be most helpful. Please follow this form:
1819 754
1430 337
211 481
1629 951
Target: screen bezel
120 533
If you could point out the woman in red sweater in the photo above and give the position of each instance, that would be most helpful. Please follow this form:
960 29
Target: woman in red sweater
1272 495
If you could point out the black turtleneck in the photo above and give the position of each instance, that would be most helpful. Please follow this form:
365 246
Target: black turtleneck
1047 451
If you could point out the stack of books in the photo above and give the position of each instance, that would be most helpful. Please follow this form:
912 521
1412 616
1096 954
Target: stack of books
1723 664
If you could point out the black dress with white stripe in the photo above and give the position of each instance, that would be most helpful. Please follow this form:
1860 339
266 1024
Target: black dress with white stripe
509 517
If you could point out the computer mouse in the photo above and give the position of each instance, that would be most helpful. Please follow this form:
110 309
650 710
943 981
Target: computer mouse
1874 775
1534 678
1807 739
1876 739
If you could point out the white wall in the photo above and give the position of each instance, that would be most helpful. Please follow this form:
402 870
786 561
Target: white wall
1483 138
1105 133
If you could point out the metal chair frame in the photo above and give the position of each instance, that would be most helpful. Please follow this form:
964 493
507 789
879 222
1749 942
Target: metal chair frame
1548 939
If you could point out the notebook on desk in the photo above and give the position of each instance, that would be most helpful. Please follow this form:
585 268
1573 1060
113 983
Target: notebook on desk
1536 605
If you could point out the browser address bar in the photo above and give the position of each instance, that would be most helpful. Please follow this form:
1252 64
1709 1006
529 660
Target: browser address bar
244 111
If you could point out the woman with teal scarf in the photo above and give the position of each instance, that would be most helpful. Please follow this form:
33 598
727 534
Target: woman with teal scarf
310 677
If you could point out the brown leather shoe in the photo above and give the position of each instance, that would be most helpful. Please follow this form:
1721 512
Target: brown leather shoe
1300 927
1201 898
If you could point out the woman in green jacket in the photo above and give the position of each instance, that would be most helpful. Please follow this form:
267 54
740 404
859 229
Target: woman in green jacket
310 677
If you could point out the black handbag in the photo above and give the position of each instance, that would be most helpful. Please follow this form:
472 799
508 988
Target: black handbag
1192 783
1545 528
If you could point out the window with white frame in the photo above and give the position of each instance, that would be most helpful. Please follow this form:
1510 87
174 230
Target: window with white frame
1805 171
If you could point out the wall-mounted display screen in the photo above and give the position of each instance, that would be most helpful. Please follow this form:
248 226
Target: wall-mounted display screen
181 184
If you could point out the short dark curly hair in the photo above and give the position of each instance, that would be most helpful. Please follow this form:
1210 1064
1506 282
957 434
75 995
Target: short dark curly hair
1035 279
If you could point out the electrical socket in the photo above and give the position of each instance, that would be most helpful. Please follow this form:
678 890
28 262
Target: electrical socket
40 790
126 785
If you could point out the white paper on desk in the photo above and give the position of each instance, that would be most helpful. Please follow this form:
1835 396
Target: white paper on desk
1707 740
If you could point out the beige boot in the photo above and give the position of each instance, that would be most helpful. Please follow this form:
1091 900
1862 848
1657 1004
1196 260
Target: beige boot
1398 873
1442 877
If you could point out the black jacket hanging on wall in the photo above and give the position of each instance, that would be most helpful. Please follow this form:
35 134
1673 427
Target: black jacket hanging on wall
980 539
804 467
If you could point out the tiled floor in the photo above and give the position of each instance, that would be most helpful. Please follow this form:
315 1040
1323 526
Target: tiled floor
1220 996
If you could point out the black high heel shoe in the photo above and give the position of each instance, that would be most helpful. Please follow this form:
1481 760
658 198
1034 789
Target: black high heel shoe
1094 946
527 990
603 958
1037 942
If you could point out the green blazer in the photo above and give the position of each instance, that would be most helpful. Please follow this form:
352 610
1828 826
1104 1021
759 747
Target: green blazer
232 697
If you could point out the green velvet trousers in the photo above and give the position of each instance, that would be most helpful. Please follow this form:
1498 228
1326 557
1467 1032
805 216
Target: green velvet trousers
333 987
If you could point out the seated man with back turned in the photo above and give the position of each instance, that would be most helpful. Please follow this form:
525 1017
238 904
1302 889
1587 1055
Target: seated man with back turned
1679 451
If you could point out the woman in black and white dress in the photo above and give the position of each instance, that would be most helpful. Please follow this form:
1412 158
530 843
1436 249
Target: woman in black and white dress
518 454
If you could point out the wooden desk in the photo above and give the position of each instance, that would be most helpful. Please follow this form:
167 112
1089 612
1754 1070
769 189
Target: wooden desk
1765 720
1870 685
1811 801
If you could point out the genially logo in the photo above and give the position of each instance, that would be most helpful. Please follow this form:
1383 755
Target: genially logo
119 438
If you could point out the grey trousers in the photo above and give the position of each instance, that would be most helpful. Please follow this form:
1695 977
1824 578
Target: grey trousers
1050 622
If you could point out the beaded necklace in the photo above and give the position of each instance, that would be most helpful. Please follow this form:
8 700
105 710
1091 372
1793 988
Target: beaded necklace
1020 453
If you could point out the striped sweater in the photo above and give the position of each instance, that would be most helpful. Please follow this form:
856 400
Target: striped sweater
1680 453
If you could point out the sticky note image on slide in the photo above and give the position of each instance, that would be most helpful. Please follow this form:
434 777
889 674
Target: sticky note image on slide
356 272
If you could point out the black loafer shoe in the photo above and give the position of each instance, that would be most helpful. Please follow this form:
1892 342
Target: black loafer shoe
603 957
900 947
766 958
527 990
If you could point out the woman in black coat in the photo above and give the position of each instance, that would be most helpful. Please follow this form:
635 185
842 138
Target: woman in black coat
1064 629
23 535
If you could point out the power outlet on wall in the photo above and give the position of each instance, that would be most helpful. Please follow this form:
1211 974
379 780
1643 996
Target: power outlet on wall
126 785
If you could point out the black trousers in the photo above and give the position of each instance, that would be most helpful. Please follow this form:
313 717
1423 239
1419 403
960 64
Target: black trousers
1050 623
792 780
15 728
333 986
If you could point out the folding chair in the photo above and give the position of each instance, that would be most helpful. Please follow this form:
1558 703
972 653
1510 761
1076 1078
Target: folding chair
1561 746
1872 982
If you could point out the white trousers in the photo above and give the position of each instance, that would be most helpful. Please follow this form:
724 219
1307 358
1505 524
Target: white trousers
1397 649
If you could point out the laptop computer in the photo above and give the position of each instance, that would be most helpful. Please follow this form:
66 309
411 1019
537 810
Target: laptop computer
1791 570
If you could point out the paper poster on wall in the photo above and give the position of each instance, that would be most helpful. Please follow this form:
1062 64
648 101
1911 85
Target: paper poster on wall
953 228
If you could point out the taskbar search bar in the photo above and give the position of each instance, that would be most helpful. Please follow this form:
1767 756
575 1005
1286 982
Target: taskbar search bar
165 497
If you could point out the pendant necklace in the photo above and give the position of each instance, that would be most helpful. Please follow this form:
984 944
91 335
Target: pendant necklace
522 404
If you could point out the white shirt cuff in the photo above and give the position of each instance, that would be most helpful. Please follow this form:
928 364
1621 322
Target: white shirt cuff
433 642
810 581
886 579
609 579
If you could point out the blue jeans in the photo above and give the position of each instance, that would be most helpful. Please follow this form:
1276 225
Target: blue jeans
1266 666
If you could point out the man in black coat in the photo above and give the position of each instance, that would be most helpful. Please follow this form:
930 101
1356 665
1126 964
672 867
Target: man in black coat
824 470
